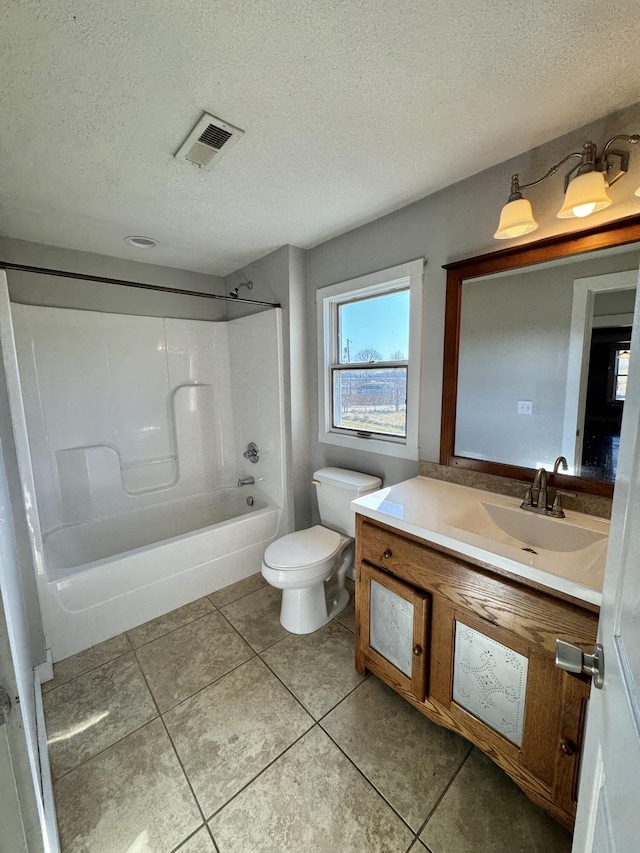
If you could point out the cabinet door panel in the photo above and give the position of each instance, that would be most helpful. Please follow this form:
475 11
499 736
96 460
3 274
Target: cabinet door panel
391 627
490 681
392 630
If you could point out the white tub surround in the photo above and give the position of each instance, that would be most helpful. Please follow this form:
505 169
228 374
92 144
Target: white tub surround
130 434
492 530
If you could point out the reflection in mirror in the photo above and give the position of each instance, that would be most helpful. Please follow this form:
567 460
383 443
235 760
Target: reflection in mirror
543 352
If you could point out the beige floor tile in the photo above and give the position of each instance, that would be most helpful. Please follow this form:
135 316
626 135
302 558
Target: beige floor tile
95 710
409 759
419 847
230 731
311 799
484 811
180 663
133 796
348 615
237 590
169 622
199 843
69 668
318 668
257 617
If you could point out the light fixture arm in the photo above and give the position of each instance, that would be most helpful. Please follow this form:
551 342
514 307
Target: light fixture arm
548 174
631 139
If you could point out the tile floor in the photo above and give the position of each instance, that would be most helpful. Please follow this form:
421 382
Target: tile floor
213 729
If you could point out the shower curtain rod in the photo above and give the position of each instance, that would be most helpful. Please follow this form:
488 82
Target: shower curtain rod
6 265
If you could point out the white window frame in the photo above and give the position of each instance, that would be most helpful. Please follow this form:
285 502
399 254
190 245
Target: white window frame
402 277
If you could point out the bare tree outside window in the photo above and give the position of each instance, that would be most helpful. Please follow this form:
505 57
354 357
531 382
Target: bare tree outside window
367 355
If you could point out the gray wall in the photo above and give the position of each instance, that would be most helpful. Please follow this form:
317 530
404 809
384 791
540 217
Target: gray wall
455 223
94 296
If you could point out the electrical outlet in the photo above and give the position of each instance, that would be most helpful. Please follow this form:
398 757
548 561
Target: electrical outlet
525 407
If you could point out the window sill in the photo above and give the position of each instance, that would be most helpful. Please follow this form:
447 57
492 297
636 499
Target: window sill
399 449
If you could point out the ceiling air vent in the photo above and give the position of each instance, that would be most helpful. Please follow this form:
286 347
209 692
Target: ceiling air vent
209 140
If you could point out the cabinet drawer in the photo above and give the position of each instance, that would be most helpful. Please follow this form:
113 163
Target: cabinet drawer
537 618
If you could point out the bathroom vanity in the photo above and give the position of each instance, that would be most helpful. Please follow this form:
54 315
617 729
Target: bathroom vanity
460 596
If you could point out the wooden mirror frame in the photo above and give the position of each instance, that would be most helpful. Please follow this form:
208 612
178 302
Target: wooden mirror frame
617 233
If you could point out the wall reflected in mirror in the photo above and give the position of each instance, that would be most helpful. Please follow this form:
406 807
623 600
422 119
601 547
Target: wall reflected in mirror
543 355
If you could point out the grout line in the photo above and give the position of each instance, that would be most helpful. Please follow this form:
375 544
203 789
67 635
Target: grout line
444 792
370 783
346 696
258 775
286 686
173 630
102 751
297 698
188 838
173 746
215 846
184 772
209 684
93 668
240 597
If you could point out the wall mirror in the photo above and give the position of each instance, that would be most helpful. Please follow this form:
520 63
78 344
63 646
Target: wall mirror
536 351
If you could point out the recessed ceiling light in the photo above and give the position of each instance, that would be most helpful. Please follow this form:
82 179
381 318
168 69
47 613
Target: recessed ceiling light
141 242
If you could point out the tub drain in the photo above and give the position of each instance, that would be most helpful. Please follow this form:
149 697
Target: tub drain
249 501
530 550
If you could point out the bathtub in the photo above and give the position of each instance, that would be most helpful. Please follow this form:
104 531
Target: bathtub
107 576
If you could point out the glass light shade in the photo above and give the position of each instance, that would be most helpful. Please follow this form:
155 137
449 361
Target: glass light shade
585 194
516 219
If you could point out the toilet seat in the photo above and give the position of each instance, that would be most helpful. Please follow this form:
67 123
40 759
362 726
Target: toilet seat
303 549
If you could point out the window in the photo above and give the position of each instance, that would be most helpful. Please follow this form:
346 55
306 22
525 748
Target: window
369 359
620 371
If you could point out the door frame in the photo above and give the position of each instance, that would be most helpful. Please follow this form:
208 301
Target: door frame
584 294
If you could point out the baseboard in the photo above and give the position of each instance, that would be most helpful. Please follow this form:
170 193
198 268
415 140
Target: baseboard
41 673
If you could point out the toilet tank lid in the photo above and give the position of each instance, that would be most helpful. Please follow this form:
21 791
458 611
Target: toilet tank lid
346 479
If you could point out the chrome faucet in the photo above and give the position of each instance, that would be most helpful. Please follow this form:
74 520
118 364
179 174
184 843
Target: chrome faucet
536 498
246 481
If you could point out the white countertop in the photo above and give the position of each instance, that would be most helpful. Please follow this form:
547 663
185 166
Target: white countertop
460 519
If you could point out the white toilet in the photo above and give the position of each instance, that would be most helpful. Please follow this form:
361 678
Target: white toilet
310 566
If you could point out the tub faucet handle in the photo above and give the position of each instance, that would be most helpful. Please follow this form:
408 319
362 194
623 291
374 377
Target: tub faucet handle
252 453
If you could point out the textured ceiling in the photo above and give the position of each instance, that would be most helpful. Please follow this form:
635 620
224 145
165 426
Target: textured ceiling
351 109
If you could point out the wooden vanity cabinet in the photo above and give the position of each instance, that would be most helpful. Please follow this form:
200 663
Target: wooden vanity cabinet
449 635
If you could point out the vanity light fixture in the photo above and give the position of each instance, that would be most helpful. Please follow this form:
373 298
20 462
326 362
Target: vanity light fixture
585 187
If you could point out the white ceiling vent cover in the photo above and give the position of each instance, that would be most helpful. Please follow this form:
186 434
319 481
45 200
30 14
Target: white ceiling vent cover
209 140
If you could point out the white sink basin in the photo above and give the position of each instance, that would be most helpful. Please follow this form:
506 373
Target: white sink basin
526 528
565 554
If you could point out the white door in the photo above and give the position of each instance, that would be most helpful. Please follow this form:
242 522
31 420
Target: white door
22 814
12 744
608 819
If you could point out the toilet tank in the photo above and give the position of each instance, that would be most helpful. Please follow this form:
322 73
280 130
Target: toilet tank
336 488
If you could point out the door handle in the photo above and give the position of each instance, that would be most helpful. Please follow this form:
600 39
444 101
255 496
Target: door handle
572 659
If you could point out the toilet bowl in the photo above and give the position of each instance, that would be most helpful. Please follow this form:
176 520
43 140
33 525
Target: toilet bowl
310 566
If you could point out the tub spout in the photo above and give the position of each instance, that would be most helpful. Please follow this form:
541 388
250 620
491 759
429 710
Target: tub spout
246 481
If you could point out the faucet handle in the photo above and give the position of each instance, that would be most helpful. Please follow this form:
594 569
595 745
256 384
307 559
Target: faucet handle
528 498
556 509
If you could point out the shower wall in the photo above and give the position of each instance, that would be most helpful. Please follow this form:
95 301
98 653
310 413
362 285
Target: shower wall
130 411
